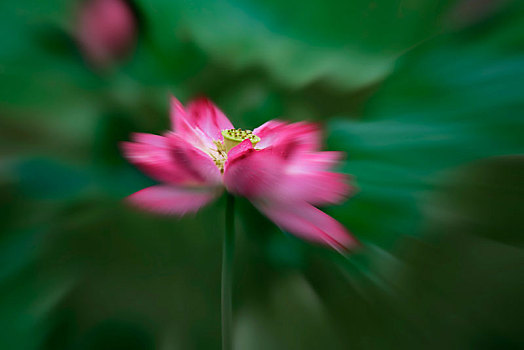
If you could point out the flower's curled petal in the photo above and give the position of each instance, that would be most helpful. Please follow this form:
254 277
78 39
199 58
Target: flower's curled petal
309 223
177 113
171 160
154 161
319 161
203 114
243 148
150 139
249 172
182 125
194 162
316 187
268 132
289 139
262 174
307 178
172 200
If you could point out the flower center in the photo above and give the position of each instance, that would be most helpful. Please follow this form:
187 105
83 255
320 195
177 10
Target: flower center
233 137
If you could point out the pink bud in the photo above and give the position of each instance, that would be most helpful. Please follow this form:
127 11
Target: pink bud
105 31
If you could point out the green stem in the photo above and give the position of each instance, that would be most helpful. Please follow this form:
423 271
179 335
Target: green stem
227 272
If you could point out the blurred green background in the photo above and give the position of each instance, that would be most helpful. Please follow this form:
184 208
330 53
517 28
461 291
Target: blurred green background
426 98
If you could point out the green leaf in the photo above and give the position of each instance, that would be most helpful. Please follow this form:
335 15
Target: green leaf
454 100
351 44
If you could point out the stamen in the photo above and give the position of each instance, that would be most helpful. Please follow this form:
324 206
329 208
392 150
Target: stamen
220 155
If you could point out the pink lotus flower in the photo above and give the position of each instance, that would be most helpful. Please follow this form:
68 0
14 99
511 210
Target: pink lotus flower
106 30
277 166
